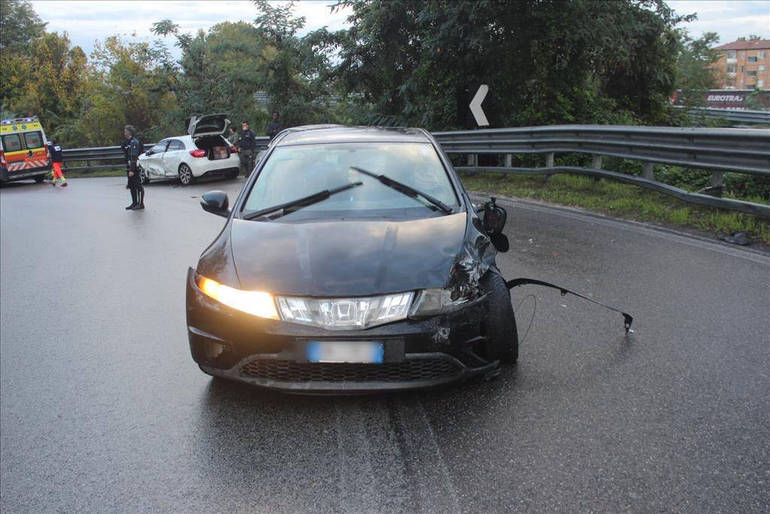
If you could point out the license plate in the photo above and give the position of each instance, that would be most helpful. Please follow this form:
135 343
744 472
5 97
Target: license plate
345 351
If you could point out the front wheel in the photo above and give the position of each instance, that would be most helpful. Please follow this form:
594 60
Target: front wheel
502 338
185 175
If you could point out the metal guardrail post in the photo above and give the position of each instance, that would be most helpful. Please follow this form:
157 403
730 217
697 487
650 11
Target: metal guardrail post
549 159
596 162
473 159
717 183
508 160
647 171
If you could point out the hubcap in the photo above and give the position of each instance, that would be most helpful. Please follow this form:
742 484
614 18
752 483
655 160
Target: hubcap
185 174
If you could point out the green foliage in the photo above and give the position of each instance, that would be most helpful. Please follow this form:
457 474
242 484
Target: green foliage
621 200
19 26
546 61
129 83
695 76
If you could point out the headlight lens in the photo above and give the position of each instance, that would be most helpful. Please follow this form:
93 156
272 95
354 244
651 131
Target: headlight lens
257 303
345 313
431 302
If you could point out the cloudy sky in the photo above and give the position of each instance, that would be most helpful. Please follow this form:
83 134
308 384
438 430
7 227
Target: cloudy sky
87 21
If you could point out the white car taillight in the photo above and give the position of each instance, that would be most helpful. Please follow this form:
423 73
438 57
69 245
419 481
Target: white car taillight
198 153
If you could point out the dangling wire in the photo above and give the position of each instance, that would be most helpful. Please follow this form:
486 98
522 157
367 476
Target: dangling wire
532 318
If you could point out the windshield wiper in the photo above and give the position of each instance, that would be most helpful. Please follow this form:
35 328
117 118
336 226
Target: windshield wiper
407 190
289 207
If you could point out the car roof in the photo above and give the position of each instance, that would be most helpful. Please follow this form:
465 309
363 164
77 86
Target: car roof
314 134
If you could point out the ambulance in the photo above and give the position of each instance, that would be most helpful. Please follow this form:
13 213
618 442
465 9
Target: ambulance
23 151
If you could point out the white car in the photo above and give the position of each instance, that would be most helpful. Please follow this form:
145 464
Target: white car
203 152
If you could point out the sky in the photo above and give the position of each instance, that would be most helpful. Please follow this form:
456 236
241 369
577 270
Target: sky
88 21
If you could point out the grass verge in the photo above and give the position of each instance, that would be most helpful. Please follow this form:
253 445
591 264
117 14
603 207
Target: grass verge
620 200
112 172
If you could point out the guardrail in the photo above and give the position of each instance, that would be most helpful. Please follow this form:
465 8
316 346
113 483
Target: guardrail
738 116
719 150
111 156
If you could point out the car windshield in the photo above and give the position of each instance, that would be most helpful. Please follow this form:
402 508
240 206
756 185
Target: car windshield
293 172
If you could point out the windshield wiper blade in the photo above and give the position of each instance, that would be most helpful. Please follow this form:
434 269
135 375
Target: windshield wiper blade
289 207
407 190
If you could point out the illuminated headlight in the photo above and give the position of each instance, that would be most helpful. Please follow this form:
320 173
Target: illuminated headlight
345 313
431 302
257 303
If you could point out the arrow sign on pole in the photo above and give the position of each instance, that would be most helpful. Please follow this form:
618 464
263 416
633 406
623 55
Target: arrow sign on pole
478 112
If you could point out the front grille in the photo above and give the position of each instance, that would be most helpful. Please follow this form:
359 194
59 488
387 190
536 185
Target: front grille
409 370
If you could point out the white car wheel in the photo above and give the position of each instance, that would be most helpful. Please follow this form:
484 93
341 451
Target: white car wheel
185 175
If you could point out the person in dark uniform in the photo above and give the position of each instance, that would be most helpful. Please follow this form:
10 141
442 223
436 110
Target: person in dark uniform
133 149
275 125
247 146
124 148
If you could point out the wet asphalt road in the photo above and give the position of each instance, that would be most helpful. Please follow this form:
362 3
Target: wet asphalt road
102 408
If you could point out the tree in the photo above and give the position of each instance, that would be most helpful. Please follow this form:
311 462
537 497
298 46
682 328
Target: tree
695 73
546 61
129 83
50 83
19 25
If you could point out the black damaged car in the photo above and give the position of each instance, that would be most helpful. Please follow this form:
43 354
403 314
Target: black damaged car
352 261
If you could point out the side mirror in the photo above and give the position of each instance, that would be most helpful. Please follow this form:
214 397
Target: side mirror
216 202
494 218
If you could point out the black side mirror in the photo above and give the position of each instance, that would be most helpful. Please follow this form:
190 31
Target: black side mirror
216 202
494 218
148 152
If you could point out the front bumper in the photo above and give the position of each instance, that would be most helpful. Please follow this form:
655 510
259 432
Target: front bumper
268 353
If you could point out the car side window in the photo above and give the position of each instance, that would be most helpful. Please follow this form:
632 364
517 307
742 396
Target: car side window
159 147
175 144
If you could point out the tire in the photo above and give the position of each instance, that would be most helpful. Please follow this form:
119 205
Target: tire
185 175
502 338
143 176
232 174
39 179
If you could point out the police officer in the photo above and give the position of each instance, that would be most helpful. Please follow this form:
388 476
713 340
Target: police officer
275 125
133 149
247 146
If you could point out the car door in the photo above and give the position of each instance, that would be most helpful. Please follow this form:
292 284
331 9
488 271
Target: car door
153 162
172 157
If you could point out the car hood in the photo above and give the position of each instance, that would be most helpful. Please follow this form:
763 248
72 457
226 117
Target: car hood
346 258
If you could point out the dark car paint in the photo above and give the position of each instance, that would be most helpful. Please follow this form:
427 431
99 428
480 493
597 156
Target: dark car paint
341 258
346 258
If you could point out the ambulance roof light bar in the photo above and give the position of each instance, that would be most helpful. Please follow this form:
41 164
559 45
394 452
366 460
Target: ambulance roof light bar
13 121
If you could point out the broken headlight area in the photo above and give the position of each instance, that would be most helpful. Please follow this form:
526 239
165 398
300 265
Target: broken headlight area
431 302
463 288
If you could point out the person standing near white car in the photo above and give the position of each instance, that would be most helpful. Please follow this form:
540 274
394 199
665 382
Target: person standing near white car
247 145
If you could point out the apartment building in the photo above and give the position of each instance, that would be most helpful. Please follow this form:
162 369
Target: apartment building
744 64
